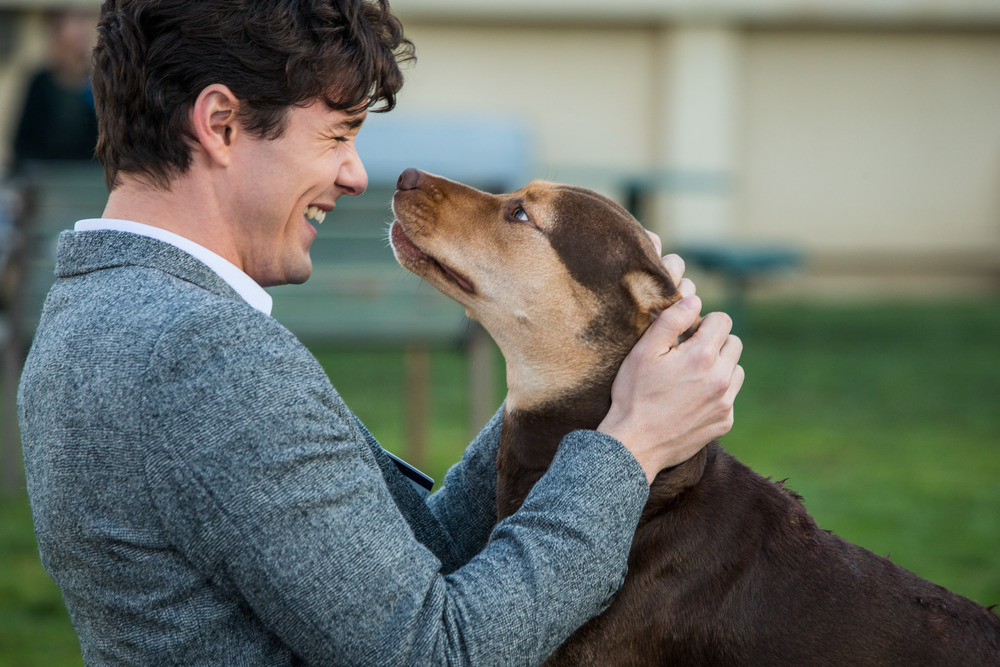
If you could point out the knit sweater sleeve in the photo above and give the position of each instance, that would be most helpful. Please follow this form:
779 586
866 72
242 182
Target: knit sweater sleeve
264 487
465 505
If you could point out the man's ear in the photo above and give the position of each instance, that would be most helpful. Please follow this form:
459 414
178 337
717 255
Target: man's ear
213 119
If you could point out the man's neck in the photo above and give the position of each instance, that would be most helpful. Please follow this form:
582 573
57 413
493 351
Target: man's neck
187 208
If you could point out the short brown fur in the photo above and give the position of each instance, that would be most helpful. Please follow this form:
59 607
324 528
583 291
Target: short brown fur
726 567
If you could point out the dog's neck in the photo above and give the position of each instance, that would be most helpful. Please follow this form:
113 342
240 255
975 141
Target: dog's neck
532 431
530 437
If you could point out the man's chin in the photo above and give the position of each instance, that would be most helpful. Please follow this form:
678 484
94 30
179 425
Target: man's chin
299 277
293 276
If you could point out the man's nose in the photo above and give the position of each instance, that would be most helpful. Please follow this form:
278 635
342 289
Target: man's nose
352 179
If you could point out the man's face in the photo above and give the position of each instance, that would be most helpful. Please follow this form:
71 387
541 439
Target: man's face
311 164
73 37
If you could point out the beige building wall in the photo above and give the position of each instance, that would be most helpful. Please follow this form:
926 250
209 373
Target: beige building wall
584 92
872 142
876 151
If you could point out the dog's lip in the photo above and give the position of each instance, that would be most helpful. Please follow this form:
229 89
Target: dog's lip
403 244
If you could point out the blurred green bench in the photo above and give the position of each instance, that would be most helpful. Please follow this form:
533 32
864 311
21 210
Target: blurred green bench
739 265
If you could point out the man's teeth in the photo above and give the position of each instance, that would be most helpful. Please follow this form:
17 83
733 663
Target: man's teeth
316 213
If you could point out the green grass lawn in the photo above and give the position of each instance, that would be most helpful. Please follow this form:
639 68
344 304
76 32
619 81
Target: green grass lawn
886 418
887 421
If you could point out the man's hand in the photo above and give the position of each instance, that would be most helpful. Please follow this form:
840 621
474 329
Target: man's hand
668 400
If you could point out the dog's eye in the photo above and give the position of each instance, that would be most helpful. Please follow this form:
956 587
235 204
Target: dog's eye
520 214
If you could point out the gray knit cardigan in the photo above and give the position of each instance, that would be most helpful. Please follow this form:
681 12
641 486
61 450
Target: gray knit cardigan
202 495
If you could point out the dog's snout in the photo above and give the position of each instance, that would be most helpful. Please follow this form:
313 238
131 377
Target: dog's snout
409 179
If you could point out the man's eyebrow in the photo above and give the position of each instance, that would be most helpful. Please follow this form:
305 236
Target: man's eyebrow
351 123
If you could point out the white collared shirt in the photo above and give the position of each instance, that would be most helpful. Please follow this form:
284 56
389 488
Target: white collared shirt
244 285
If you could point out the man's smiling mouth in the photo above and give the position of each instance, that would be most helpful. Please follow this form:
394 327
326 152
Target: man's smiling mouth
315 213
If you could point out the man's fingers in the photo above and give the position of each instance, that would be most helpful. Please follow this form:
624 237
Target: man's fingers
674 266
739 375
731 350
686 288
657 243
671 323
713 330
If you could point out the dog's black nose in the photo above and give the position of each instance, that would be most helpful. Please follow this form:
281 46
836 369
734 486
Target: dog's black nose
409 179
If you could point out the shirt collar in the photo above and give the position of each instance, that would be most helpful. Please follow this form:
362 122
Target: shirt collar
244 285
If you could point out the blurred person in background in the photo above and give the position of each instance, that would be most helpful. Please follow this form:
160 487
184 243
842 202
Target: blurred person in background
57 120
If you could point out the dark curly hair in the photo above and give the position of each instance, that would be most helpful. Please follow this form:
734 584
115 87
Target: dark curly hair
154 57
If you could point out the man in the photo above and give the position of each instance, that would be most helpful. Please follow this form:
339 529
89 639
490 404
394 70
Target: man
200 492
57 119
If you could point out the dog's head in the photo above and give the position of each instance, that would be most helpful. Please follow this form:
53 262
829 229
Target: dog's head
564 279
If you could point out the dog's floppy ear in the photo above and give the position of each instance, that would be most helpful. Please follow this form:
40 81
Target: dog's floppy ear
652 293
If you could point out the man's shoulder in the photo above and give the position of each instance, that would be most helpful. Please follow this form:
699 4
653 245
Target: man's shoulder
137 298
120 286
89 252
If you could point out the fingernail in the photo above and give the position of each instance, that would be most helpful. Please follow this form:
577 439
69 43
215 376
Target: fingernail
687 303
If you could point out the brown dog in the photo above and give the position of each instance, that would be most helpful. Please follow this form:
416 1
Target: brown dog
726 567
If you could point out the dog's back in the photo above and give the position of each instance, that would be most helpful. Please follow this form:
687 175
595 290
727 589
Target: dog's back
733 571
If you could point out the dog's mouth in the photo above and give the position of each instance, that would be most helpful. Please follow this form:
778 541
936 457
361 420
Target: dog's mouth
407 250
